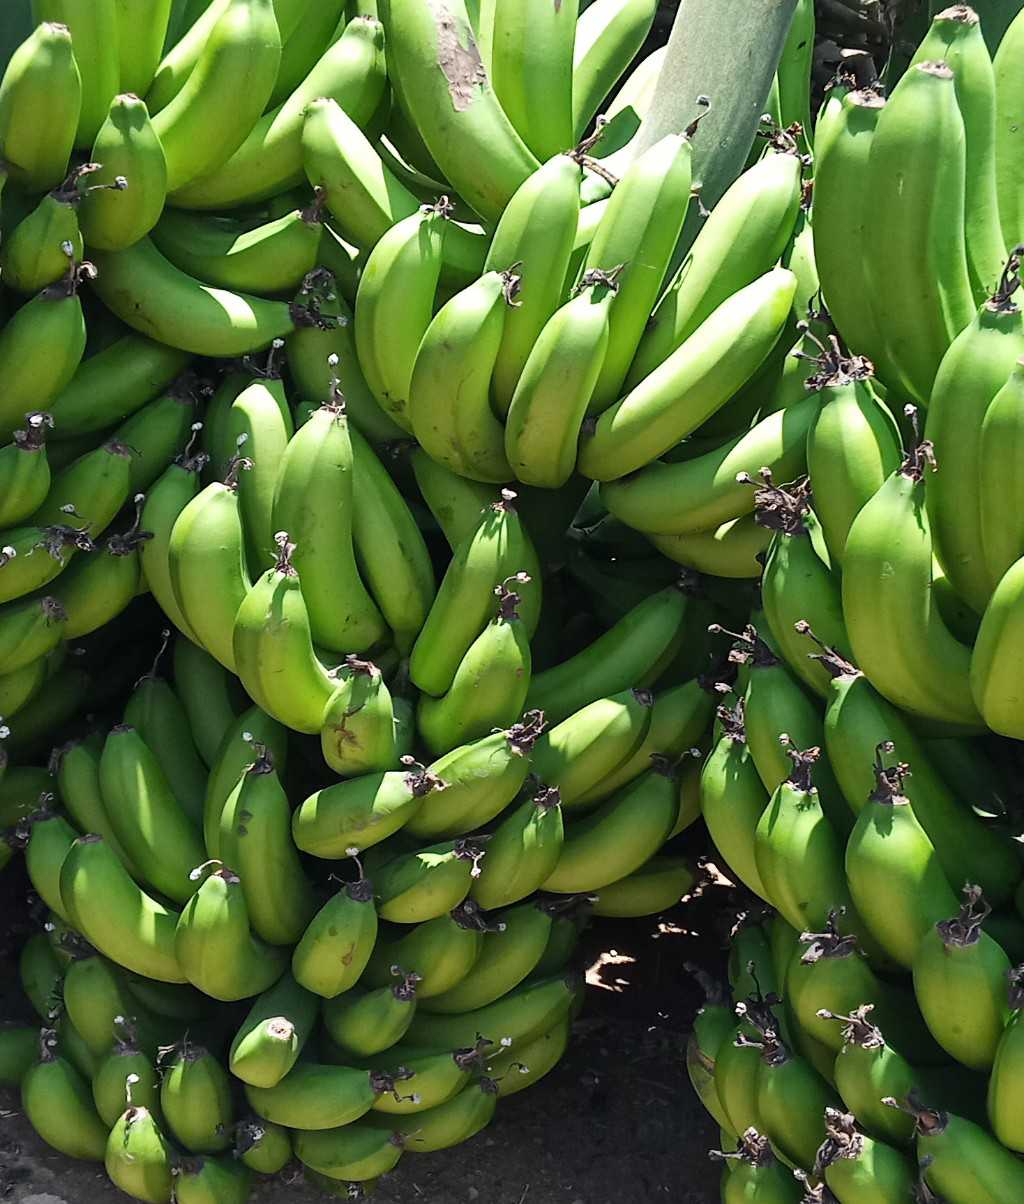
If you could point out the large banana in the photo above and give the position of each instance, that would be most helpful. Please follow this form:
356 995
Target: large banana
1001 531
608 35
142 27
93 26
40 103
894 626
743 238
436 57
1009 137
320 26
449 404
270 159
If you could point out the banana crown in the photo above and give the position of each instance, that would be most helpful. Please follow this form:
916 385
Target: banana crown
964 929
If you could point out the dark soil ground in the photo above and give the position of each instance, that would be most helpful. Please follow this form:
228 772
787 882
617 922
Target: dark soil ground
615 1123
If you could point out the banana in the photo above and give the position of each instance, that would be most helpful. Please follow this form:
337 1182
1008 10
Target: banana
417 887
490 684
207 543
622 117
262 1147
527 1011
40 104
17 690
442 952
76 766
857 721
996 655
269 160
36 252
457 111
234 754
58 1104
913 658
126 148
214 944
655 887
851 1162
112 1092
25 470
93 28
361 812
394 306
195 1099
211 1181
366 197
481 780
90 490
139 1158
984 355
40 976
313 501
531 53
521 1067
156 713
700 376
955 38
319 27
1008 143
213 114
449 405
255 835
523 851
29 629
732 550
113 383
536 232
33 556
427 1079
49 839
147 292
333 952
454 502
142 26
359 724
1002 536
367 1022
268 260
916 259
353 1153
1003 1116
961 1160
960 976
97 1001
700 494
41 347
608 35
112 913
208 695
161 839
633 653
446 1125
315 1096
556 383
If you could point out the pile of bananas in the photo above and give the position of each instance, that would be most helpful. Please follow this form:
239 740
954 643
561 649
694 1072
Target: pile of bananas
863 779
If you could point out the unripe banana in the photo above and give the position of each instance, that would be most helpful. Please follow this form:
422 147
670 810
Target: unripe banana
142 26
139 1158
269 160
233 755
208 694
36 252
195 1099
608 35
367 1022
17 690
115 915
1009 144
40 105
353 1153
334 950
449 1124
262 1147
753 1171
314 1096
272 1036
93 29
127 147
161 430
215 947
360 726
29 629
522 852
211 1181
24 470
442 951
58 1103
111 1089
320 25
655 887
996 657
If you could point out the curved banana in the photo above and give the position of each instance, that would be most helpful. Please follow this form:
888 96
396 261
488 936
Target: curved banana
359 731
139 1158
1001 532
58 1104
997 656
608 35
1009 144
366 1022
655 887
93 27
195 1099
24 470
352 1153
142 27
234 755
319 27
336 946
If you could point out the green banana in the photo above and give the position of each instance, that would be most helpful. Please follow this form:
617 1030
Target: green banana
39 720
754 1172
161 839
195 1099
35 254
90 490
794 73
25 470
32 556
1009 143
697 379
655 887
20 788
894 627
732 550
1003 1115
124 1075
1000 431
523 851
996 656
40 104
314 502
112 913
960 976
448 1124
93 28
442 951
916 259
213 114
713 1025
49 839
127 148
269 160
791 1100
359 731
608 35
17 690
700 494
207 543
427 1079
208 696
454 502
29 629
623 116
536 231
142 26
481 780
633 653
211 1181
319 27
234 754
18 1048
58 1103
215 946
457 111
139 1158
955 38
556 383
352 1153
449 405
333 952
521 1067
40 976
366 1022
363 811
315 1096
97 1002
416 887
114 383
852 1163
972 373
262 1147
